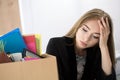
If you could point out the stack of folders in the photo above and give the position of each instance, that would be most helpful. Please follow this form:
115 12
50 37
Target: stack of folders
18 47
33 42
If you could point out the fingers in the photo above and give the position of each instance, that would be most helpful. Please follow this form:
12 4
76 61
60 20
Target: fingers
107 23
101 27
104 25
103 22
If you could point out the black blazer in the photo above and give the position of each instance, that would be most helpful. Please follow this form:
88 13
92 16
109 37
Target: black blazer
63 49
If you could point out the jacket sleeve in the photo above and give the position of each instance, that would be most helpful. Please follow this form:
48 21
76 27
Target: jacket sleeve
51 48
101 74
97 68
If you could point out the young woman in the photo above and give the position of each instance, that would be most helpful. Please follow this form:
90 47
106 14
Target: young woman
86 52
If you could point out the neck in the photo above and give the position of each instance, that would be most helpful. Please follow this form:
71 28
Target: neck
80 52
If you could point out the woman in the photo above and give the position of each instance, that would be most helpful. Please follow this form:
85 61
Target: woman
86 52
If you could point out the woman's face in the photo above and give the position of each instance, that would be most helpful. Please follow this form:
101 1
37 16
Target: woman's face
88 34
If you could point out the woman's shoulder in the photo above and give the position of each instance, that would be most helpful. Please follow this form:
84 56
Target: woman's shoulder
63 38
56 38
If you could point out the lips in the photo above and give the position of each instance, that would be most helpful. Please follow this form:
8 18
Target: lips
83 43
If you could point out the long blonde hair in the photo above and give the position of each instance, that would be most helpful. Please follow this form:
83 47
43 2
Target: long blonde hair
95 14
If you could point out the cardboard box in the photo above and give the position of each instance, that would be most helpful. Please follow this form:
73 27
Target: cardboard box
42 69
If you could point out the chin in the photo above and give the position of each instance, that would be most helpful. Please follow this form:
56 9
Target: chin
81 47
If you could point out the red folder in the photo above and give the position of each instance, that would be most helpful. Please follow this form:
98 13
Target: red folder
30 42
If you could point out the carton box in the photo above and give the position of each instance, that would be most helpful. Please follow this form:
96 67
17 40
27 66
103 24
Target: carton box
42 69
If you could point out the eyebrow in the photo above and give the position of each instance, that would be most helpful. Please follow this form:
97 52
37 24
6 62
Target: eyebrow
86 26
89 28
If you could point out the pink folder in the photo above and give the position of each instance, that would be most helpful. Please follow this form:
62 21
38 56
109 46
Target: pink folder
30 42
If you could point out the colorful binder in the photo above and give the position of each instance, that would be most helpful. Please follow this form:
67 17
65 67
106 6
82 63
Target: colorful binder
38 44
13 41
30 42
33 43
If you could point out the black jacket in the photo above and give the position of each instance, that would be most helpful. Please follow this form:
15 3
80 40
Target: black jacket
63 49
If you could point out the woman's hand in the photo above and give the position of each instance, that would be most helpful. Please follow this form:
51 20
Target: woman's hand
104 31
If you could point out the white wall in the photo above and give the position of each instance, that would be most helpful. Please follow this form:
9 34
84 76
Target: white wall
52 18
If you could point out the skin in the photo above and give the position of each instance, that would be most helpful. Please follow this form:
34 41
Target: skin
94 32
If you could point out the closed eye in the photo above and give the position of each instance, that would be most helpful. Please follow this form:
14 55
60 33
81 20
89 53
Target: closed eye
95 37
84 30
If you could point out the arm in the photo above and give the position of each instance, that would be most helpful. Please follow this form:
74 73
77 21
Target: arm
104 34
107 69
106 61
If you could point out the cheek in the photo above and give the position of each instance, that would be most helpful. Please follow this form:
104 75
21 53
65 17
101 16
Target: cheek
78 37
79 34
93 43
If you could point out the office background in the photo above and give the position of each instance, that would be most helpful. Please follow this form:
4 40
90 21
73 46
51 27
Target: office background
52 18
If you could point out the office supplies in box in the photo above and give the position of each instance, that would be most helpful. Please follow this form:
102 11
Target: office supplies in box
13 41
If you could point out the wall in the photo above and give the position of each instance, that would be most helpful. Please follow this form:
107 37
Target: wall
53 18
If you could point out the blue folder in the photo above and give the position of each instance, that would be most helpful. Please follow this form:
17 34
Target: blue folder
13 41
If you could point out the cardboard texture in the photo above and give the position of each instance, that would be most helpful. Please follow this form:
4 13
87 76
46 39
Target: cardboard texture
9 15
42 69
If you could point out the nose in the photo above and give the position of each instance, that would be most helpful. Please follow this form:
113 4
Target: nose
87 38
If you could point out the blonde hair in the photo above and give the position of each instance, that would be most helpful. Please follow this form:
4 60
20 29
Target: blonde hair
95 14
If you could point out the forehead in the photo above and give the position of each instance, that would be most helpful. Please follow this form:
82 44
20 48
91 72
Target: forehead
93 25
